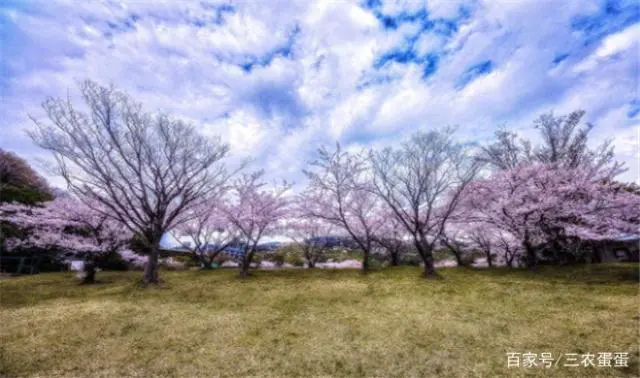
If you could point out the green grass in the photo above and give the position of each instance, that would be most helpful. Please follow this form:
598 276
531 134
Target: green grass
317 323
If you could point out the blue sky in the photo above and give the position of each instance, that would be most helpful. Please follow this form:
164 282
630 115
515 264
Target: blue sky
278 78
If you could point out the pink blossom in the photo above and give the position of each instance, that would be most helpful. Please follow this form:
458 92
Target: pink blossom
538 203
67 225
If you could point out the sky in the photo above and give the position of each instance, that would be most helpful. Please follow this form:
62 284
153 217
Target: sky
276 79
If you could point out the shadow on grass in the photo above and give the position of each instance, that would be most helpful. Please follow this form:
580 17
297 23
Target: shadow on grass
575 274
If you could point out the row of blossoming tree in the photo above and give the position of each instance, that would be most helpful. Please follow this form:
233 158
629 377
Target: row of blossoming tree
129 172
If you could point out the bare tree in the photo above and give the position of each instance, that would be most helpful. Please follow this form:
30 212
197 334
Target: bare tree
562 139
339 192
146 170
421 182
506 152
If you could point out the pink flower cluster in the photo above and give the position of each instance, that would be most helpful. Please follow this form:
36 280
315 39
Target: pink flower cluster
65 224
535 201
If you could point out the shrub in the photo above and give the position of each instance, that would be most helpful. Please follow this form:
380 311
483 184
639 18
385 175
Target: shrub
374 263
278 258
323 256
295 260
468 258
441 254
411 259
222 257
114 262
187 260
342 254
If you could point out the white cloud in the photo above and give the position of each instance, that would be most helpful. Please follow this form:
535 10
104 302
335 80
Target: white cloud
444 8
619 42
429 43
395 7
312 78
626 41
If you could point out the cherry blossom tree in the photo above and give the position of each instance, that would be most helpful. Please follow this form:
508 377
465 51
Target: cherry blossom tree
340 193
255 211
207 233
106 233
421 182
483 241
70 227
498 247
309 232
455 239
133 259
546 206
44 228
146 170
563 149
563 143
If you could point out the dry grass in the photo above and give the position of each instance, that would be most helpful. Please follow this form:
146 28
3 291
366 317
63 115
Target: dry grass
317 323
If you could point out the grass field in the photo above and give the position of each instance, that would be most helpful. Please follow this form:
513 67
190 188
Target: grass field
311 323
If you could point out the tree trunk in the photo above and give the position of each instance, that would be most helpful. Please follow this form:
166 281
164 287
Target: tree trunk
427 258
207 262
508 256
151 268
196 258
489 259
429 266
596 253
395 258
308 255
245 265
244 268
89 273
365 262
531 258
455 252
458 257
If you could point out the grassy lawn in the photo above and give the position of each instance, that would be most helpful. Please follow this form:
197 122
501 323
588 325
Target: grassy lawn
329 323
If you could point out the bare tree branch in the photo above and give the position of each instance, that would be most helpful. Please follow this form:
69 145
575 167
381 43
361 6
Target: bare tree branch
145 170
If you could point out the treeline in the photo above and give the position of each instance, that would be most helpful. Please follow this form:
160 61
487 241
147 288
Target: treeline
133 173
